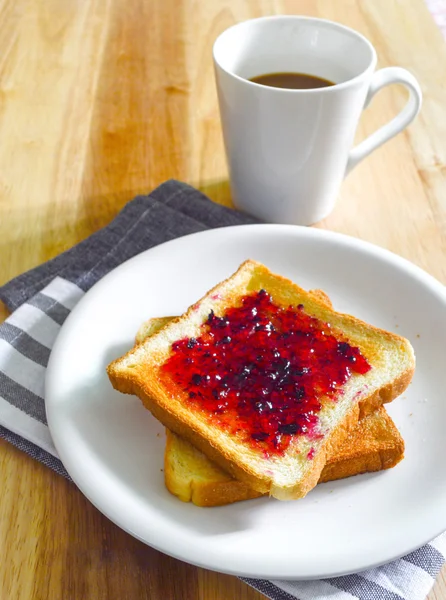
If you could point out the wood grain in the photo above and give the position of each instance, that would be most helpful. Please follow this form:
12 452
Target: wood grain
104 99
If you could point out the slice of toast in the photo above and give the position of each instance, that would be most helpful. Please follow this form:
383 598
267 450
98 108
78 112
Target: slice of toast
296 469
374 445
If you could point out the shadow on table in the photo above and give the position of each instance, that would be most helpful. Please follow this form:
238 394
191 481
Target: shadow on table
217 190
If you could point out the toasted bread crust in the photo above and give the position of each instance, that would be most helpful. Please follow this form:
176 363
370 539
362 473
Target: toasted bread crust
128 378
150 327
374 445
215 489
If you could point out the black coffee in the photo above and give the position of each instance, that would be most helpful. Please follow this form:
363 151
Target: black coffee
292 81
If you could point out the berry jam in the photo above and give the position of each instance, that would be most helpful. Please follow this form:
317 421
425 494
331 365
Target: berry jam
262 371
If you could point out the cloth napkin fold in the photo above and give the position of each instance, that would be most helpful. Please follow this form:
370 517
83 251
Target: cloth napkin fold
41 300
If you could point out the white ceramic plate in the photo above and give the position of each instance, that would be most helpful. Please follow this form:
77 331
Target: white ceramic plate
113 448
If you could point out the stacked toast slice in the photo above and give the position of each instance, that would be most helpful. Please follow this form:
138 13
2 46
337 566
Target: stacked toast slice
265 389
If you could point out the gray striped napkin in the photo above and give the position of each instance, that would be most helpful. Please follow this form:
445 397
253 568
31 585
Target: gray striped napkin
42 299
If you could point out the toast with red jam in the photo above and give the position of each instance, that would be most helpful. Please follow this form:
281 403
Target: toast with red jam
374 445
265 379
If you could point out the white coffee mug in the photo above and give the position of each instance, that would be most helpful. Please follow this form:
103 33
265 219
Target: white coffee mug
288 150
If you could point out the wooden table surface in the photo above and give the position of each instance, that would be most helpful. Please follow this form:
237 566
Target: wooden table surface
103 99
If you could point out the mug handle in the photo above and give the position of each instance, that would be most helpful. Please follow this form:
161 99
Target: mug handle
380 79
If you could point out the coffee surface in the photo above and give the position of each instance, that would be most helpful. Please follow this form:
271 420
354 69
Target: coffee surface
292 81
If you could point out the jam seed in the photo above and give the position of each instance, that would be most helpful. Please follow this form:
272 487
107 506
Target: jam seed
260 436
196 379
289 429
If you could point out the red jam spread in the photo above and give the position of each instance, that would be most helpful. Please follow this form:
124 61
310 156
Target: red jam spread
261 371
